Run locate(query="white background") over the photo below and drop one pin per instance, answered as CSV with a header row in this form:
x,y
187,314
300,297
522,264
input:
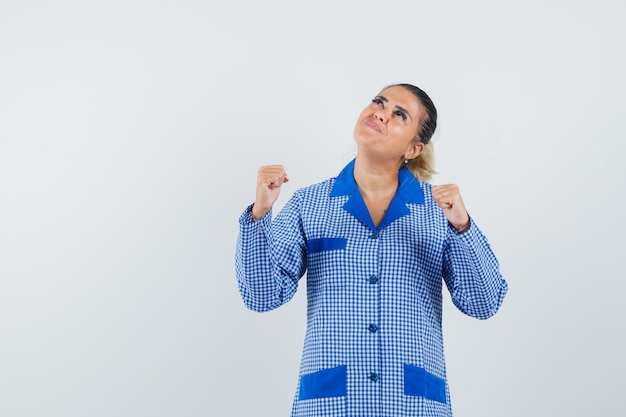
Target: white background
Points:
x,y
130,136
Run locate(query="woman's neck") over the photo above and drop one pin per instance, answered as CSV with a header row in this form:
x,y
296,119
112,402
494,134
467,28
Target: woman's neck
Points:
x,y
375,180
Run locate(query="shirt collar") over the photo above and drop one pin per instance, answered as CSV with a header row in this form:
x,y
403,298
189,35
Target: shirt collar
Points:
x,y
409,192
409,188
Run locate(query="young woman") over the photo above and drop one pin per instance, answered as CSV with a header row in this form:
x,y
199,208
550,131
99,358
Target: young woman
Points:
x,y
376,243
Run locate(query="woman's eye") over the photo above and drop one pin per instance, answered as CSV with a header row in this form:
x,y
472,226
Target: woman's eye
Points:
x,y
401,115
377,101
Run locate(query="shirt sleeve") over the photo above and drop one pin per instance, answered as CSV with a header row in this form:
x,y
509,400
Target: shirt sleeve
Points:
x,y
471,273
270,257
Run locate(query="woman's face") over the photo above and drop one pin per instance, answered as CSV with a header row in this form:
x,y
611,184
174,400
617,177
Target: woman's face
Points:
x,y
387,126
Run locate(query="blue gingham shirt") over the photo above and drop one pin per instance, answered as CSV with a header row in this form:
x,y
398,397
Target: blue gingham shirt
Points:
x,y
373,344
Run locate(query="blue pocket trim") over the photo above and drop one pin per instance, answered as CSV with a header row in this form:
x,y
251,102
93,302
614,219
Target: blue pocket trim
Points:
x,y
419,383
326,383
328,243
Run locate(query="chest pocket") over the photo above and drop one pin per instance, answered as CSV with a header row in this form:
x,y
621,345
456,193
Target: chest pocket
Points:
x,y
324,244
326,261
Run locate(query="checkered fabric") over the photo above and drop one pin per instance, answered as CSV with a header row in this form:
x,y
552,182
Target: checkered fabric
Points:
x,y
373,343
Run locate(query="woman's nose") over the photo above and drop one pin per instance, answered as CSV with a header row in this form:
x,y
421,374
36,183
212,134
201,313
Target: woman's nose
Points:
x,y
380,115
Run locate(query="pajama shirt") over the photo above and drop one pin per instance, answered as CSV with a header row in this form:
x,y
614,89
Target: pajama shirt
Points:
x,y
373,345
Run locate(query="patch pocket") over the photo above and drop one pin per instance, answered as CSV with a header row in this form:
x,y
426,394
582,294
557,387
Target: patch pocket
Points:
x,y
326,383
328,243
419,383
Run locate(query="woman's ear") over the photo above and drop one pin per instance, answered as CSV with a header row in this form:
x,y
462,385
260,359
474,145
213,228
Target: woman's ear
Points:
x,y
414,150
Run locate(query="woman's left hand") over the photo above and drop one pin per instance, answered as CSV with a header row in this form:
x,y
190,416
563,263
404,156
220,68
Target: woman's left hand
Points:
x,y
448,198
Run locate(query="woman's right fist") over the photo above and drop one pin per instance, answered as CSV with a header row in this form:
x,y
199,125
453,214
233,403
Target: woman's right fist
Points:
x,y
269,180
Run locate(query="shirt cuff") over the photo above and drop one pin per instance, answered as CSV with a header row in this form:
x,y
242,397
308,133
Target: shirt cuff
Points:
x,y
247,219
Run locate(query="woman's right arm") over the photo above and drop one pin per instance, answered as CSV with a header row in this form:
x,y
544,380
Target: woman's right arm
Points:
x,y
270,254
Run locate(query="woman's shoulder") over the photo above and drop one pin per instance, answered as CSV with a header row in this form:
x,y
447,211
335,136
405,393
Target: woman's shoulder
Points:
x,y
426,186
319,188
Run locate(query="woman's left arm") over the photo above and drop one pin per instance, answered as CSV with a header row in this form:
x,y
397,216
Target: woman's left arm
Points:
x,y
470,268
472,273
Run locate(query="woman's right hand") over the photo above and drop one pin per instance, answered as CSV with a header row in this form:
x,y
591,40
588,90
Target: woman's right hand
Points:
x,y
269,180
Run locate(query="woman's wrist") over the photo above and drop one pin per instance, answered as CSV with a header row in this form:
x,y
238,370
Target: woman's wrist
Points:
x,y
257,216
464,227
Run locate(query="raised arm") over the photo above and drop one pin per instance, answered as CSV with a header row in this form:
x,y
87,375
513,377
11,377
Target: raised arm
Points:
x,y
470,268
270,255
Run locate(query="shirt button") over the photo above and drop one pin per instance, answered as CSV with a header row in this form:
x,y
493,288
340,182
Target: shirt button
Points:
x,y
373,328
374,377
374,235
373,279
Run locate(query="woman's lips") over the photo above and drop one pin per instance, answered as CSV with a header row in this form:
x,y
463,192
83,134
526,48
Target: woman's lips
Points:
x,y
373,126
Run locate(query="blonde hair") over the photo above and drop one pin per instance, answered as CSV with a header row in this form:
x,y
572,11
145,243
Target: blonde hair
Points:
x,y
423,167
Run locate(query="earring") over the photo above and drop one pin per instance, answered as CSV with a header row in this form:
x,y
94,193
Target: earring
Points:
x,y
406,161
